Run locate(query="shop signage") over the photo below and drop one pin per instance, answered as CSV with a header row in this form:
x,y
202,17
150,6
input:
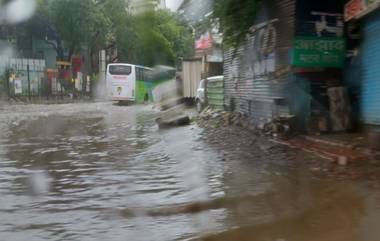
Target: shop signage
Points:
x,y
354,8
318,52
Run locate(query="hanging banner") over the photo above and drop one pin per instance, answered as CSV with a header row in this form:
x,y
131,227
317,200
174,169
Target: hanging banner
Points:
x,y
354,8
319,52
18,86
88,84
77,63
54,85
204,42
79,81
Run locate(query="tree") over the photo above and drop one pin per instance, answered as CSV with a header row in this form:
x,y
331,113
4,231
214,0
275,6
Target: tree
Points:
x,y
71,26
159,38
178,33
235,18
78,23
67,25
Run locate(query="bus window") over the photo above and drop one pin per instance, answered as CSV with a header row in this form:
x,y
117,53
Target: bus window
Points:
x,y
143,74
139,73
120,70
146,75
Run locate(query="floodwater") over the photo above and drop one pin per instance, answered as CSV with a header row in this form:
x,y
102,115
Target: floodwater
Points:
x,y
102,172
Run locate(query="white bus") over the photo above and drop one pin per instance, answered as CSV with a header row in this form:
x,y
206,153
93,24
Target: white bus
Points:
x,y
128,82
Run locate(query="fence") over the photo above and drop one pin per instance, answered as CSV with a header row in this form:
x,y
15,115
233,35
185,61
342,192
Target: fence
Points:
x,y
25,77
29,78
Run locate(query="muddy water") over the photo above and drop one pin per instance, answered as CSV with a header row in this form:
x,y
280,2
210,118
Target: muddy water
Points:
x,y
102,172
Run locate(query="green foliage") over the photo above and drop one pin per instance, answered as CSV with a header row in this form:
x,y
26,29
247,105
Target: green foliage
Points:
x,y
116,18
157,37
78,22
235,17
70,26
152,37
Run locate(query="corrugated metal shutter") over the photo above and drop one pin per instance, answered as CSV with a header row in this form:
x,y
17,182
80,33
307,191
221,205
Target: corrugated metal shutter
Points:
x,y
370,58
258,72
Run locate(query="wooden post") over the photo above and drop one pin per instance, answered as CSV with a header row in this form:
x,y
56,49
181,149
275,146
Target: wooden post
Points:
x,y
206,78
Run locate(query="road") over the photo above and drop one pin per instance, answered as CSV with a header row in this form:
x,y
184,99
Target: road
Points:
x,y
95,171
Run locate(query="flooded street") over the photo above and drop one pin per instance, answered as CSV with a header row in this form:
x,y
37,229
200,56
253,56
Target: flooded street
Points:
x,y
101,172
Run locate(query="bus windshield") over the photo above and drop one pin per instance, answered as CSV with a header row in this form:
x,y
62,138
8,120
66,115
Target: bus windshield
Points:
x,y
120,69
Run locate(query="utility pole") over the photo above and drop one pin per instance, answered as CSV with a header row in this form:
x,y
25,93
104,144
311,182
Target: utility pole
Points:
x,y
8,76
102,86
28,70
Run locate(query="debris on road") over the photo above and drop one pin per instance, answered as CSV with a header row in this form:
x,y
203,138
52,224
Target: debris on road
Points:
x,y
177,121
278,128
282,130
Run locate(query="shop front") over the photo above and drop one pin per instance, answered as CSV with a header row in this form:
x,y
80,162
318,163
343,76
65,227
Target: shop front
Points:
x,y
363,71
319,62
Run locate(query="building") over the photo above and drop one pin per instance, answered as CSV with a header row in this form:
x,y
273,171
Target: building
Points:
x,y
138,6
362,70
208,41
162,4
195,10
291,65
174,4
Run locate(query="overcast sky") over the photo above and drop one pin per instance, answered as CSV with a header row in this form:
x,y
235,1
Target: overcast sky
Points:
x,y
173,4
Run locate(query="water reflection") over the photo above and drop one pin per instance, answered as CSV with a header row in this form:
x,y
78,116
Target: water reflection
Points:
x,y
100,171
325,213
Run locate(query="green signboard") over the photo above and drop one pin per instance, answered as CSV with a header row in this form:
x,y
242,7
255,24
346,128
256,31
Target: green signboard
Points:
x,y
319,52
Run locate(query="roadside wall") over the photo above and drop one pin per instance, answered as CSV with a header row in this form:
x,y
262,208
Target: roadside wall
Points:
x,y
258,72
264,71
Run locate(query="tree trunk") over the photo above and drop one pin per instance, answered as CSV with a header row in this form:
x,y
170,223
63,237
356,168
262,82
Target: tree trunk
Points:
x,y
92,65
71,51
60,51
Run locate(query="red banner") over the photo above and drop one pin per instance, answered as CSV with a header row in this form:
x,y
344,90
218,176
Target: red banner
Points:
x,y
77,63
204,42
353,8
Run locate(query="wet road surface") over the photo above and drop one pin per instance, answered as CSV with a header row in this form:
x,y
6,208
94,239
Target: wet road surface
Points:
x,y
103,172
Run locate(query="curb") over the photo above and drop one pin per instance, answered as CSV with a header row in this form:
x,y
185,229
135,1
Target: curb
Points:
x,y
366,150
326,142
339,153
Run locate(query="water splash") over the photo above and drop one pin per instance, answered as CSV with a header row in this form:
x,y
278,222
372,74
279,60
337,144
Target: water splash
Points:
x,y
17,11
39,183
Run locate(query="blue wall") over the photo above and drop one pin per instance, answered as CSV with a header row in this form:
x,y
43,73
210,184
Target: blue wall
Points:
x,y
370,71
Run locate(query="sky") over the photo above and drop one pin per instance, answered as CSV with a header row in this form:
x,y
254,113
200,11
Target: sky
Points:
x,y
173,4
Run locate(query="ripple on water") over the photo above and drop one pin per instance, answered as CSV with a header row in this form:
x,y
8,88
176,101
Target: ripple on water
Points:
x,y
116,177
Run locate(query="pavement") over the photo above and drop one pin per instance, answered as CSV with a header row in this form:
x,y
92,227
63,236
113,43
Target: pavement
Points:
x,y
354,140
342,148
327,149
